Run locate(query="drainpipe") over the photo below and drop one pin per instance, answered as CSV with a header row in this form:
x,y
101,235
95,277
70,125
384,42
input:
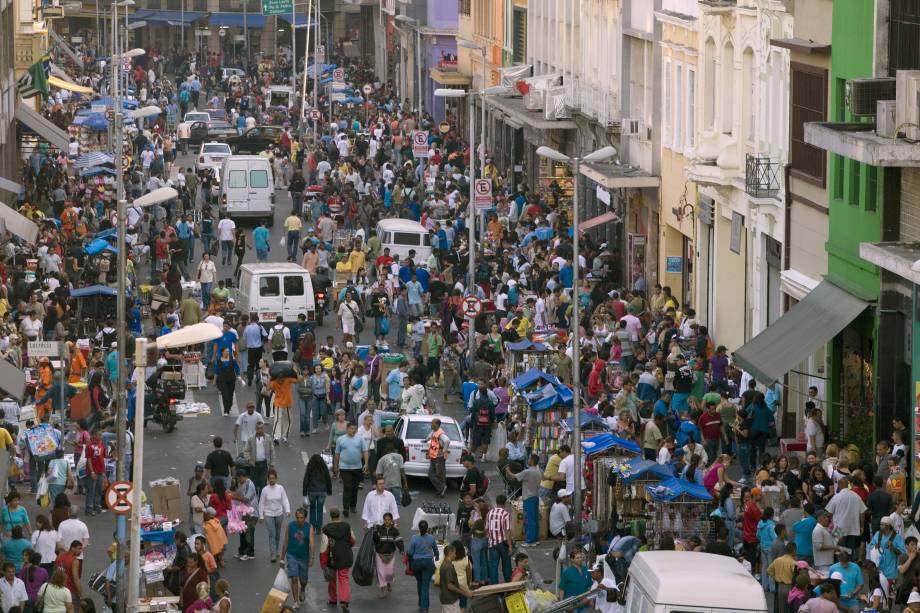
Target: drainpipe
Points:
x,y
787,207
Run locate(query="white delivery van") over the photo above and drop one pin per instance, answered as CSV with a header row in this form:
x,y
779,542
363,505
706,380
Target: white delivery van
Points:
x,y
279,96
272,289
247,188
401,235
691,582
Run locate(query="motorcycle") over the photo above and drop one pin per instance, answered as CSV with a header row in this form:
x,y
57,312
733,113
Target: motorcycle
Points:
x,y
167,390
320,299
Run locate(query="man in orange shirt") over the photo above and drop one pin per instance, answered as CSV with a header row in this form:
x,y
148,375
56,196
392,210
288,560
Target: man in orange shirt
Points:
x,y
283,387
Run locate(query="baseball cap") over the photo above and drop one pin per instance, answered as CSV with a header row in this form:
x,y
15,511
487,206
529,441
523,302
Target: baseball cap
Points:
x,y
563,493
838,576
199,466
886,520
914,597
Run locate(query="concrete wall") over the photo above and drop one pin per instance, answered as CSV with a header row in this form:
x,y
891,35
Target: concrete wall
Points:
x,y
730,275
807,236
910,205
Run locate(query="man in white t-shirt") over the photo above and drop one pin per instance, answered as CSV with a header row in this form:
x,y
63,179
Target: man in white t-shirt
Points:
x,y
73,529
847,509
225,233
246,423
567,468
814,433
559,514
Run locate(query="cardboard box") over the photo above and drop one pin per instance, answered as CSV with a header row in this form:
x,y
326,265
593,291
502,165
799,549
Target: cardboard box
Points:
x,y
517,521
166,499
274,601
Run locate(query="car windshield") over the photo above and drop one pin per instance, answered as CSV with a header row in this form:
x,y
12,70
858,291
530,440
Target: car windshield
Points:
x,y
216,148
223,125
197,117
420,429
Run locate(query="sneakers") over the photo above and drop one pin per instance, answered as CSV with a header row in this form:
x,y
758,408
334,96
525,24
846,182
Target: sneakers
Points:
x,y
313,431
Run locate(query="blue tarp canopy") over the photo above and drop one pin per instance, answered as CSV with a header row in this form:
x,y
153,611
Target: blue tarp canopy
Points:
x,y
93,290
527,345
673,488
533,376
589,419
301,19
125,104
603,442
167,18
95,121
97,246
548,396
106,233
97,170
93,158
637,467
253,20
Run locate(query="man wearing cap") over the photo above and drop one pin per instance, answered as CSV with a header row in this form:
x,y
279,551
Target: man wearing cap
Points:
x,y
823,543
889,545
559,514
851,581
828,601
913,601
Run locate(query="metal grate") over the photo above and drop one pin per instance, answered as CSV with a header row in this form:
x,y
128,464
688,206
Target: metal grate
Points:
x,y
761,177
904,36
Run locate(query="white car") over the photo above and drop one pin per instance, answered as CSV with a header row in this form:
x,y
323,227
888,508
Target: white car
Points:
x,y
212,156
414,429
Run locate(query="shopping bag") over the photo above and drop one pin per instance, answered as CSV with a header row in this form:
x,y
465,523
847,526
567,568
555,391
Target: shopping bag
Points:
x,y
499,440
405,498
408,564
363,569
282,582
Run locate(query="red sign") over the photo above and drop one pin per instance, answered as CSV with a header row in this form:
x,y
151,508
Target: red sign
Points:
x,y
118,497
472,306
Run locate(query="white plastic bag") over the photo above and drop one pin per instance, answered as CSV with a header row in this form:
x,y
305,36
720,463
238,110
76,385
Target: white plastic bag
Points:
x,y
42,487
499,440
282,582
283,241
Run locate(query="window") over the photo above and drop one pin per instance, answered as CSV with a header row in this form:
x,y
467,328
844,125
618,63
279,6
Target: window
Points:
x,y
465,8
855,176
666,111
419,429
709,95
872,188
737,231
258,178
269,286
519,55
903,36
406,238
293,285
237,178
691,107
808,102
728,89
750,75
838,177
678,107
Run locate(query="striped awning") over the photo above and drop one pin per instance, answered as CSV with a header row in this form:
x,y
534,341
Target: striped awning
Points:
x,y
93,158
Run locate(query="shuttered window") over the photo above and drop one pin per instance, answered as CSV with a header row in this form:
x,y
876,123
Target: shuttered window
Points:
x,y
808,102
520,36
465,7
904,36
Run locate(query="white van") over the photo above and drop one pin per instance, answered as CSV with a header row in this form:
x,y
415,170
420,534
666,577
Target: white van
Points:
x,y
272,289
401,235
691,582
279,95
247,187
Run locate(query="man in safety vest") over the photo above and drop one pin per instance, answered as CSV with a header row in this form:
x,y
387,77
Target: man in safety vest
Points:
x,y
438,449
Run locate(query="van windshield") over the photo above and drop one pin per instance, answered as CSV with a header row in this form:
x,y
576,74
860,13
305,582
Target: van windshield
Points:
x,y
258,178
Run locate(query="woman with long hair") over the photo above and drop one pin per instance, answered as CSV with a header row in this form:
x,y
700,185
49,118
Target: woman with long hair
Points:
x,y
260,384
479,544
423,553
317,484
728,510
44,541
226,372
221,501
193,574
386,541
33,573
240,245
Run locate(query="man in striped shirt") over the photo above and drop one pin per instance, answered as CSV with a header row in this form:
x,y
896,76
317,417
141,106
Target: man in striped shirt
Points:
x,y
498,531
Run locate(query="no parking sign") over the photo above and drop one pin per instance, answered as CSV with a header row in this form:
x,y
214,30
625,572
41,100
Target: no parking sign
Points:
x,y
420,144
482,194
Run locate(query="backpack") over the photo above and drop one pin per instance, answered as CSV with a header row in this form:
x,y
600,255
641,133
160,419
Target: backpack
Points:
x,y
278,341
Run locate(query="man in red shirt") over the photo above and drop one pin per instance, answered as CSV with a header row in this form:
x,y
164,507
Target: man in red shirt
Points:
x,y
710,425
384,259
752,514
95,473
72,565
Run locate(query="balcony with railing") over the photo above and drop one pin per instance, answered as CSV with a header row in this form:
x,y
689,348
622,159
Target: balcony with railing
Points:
x,y
761,177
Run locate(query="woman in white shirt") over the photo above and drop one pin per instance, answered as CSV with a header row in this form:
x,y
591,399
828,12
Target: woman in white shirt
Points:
x,y
367,432
45,540
273,508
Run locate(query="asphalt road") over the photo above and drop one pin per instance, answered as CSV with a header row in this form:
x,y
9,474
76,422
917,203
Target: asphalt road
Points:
x,y
175,455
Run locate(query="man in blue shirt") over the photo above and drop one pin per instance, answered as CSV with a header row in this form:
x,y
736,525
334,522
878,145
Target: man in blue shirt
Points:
x,y
184,231
260,238
350,452
254,335
414,291
442,237
227,340
687,431
662,407
850,579
802,531
396,381
566,275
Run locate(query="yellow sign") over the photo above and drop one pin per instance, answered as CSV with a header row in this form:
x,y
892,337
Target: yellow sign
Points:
x,y
516,603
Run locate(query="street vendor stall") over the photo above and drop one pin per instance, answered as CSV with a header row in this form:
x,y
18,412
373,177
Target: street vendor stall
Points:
x,y
525,355
547,402
678,508
603,452
629,479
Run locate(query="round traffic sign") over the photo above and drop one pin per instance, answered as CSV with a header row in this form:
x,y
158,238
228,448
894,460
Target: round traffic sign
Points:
x,y
118,497
368,89
444,127
110,114
222,32
315,115
472,306
420,139
338,74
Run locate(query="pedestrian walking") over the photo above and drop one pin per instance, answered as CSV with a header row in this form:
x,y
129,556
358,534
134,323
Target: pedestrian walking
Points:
x,y
336,556
297,553
273,508
423,553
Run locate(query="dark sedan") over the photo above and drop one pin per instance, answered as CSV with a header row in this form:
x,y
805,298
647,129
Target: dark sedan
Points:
x,y
255,140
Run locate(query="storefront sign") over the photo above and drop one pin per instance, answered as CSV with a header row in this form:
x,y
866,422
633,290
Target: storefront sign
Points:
x,y
277,7
674,264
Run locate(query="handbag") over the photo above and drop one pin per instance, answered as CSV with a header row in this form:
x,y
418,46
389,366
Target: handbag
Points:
x,y
39,605
408,562
405,498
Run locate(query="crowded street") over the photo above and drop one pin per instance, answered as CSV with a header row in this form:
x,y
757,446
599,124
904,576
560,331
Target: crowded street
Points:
x,y
533,306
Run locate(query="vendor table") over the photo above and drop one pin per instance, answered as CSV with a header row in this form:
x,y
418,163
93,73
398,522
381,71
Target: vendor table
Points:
x,y
440,521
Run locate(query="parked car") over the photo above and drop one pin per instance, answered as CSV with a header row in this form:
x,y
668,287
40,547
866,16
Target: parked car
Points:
x,y
414,429
219,129
255,140
211,156
226,73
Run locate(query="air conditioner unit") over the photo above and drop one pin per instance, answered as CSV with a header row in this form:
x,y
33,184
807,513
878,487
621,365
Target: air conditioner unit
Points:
x,y
886,118
635,128
907,113
554,106
863,94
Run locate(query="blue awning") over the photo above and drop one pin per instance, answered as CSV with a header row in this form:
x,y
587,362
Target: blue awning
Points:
x,y
93,158
301,19
235,20
672,489
527,345
96,246
169,18
588,420
634,468
93,290
533,376
603,442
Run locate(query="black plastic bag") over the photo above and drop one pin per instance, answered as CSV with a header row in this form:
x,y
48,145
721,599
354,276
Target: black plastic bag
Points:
x,y
363,570
406,498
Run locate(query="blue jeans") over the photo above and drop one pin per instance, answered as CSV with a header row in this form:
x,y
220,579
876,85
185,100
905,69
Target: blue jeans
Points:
x,y
297,202
479,554
94,493
304,415
318,407
396,491
423,569
274,526
744,457
531,520
401,323
293,241
206,294
206,242
499,553
226,250
314,501
261,254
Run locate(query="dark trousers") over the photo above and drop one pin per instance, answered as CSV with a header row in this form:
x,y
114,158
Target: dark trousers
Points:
x,y
499,554
260,472
253,355
248,540
226,394
437,474
351,479
649,454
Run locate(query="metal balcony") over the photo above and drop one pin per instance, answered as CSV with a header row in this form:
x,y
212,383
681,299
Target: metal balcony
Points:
x,y
761,177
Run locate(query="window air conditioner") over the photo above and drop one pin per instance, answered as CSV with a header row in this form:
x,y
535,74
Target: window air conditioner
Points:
x,y
907,114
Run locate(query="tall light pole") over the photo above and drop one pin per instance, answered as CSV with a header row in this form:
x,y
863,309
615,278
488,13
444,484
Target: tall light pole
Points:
x,y
575,162
415,25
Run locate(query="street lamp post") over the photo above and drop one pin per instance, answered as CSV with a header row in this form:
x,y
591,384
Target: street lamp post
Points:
x,y
575,163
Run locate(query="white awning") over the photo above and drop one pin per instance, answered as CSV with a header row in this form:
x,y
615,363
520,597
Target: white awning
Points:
x,y
10,186
43,127
19,225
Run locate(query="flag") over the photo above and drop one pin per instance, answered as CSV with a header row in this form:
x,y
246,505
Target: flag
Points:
x,y
35,79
